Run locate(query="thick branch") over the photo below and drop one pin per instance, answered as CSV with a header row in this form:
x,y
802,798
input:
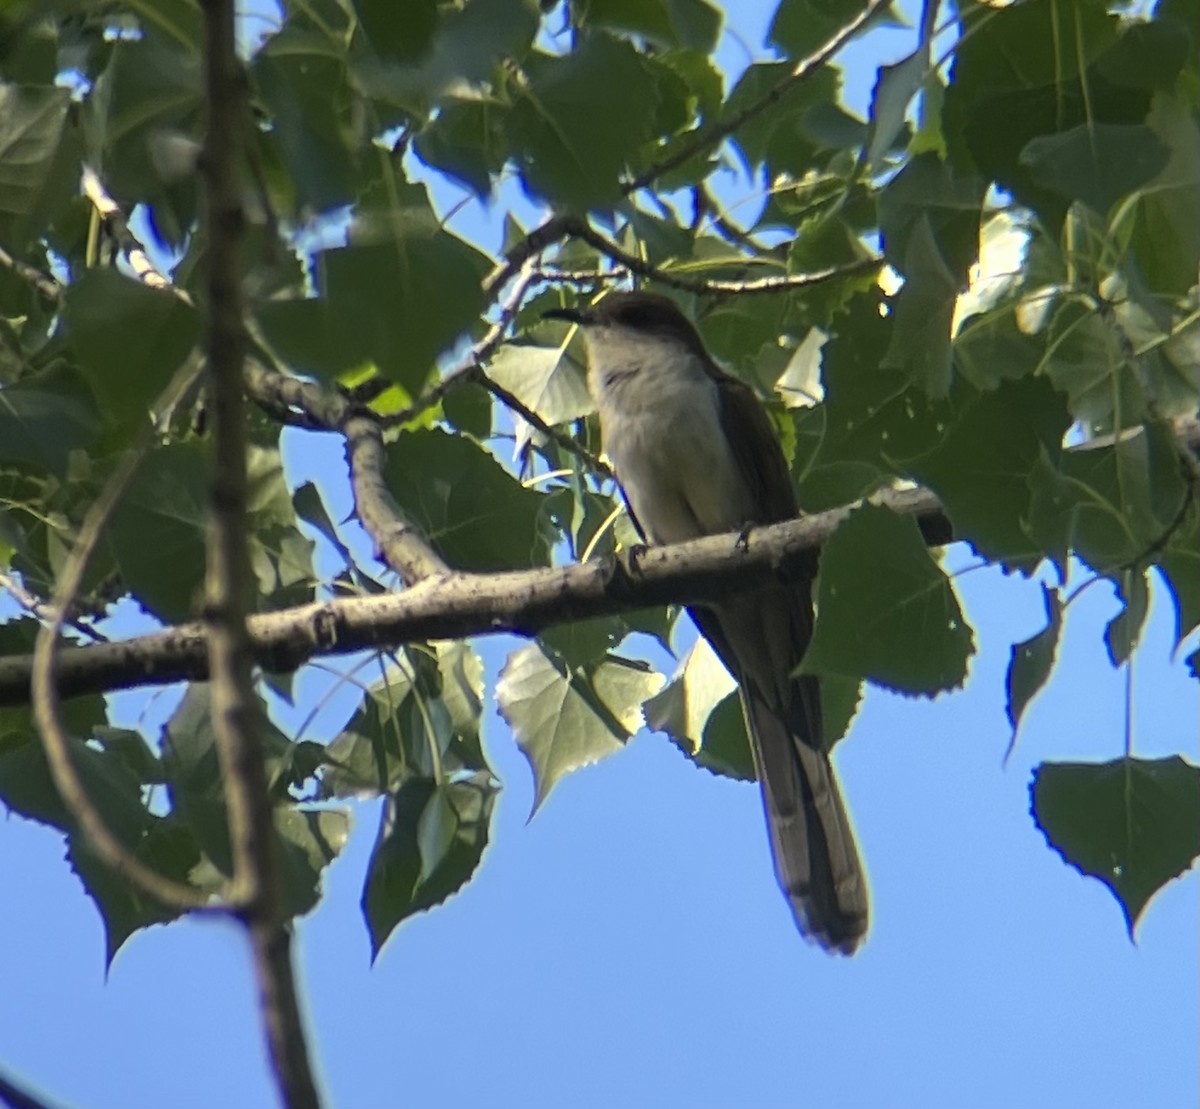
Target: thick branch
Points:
x,y
460,605
399,544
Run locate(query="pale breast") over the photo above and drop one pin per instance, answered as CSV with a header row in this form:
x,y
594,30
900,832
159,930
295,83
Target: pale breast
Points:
x,y
659,414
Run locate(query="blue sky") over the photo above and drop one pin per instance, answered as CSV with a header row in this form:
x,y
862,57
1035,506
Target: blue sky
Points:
x,y
629,947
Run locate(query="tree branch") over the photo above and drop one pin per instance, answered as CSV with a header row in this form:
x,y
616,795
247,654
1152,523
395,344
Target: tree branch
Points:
x,y
45,690
399,543
16,1097
458,605
110,211
804,69
580,229
45,286
229,588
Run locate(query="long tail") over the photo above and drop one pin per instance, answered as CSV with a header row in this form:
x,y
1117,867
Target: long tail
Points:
x,y
762,637
816,859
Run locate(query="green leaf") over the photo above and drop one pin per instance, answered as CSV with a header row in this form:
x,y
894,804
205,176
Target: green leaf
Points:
x,y
885,610
1166,231
44,418
280,555
473,510
311,509
129,340
429,698
583,642
114,777
800,26
454,835
544,379
567,718
1097,163
309,840
1179,563
982,468
872,417
1020,79
1132,823
405,284
193,770
695,24
570,144
303,85
923,313
470,40
157,533
1147,55
146,103
781,136
701,711
894,89
1030,663
27,788
467,140
929,200
402,31
193,774
1112,506
31,124
1123,630
169,848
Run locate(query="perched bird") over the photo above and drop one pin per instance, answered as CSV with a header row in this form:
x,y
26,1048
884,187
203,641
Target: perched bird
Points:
x,y
696,454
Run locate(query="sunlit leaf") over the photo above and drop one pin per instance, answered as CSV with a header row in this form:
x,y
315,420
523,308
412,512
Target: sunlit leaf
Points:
x,y
567,718
420,860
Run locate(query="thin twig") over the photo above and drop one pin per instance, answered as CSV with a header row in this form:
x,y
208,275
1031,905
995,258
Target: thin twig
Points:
x,y
45,286
471,369
534,243
576,227
580,229
44,694
110,211
802,71
707,205
15,1097
42,610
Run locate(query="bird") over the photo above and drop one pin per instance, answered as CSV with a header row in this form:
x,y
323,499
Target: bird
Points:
x,y
695,453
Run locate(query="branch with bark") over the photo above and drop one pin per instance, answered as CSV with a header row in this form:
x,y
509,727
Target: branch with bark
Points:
x,y
454,605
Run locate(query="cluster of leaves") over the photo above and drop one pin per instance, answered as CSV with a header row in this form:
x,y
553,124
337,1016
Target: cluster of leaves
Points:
x,y
1055,165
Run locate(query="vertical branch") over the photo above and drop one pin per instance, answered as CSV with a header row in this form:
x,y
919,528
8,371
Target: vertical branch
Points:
x,y
229,581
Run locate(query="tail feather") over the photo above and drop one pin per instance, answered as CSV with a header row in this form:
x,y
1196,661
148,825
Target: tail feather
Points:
x,y
761,637
812,841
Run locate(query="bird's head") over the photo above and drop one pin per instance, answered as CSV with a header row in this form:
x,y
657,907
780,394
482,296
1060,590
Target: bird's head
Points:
x,y
635,318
